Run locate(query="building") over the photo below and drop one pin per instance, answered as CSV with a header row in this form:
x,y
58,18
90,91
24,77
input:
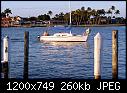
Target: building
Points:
x,y
10,21
6,22
16,21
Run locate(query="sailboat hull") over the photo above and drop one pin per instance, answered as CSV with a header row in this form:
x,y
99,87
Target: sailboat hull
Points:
x,y
64,39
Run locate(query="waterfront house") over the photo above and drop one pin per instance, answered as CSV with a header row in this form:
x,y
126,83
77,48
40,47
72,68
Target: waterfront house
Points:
x,y
10,21
5,22
16,21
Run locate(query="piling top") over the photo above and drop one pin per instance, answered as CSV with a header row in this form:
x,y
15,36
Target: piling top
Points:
x,y
98,35
6,36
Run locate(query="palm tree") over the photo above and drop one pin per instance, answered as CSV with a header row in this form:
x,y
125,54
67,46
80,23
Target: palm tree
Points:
x,y
7,12
77,16
60,17
99,13
117,12
82,8
94,14
113,9
88,13
66,18
3,14
103,12
61,14
82,14
50,13
109,12
109,17
73,17
56,17
89,9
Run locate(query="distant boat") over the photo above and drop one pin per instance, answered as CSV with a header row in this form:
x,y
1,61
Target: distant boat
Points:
x,y
64,37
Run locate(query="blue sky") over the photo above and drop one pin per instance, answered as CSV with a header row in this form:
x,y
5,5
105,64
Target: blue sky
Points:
x,y
35,8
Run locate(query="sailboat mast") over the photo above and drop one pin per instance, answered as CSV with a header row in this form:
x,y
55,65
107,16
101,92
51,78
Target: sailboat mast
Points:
x,y
70,14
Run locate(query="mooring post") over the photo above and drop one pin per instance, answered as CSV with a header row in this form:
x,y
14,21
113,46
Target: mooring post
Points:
x,y
97,53
5,58
115,54
26,54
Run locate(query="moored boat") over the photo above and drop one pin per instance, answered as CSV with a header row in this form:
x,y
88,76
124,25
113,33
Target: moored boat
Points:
x,y
64,37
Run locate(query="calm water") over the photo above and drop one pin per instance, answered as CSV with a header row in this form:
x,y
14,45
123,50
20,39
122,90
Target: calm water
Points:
x,y
64,60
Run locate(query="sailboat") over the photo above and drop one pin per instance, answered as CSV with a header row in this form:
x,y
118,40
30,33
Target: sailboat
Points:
x,y
64,36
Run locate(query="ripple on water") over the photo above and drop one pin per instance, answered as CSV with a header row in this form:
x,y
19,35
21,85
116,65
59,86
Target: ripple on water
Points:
x,y
66,60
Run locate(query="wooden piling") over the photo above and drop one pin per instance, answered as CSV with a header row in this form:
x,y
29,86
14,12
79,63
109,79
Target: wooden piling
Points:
x,y
5,70
97,53
26,54
114,54
5,49
4,63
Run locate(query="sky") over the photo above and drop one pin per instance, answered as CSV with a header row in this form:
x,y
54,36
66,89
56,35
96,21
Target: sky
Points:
x,y
35,8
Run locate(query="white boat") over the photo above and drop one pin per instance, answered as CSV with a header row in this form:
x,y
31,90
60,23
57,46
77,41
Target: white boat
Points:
x,y
65,37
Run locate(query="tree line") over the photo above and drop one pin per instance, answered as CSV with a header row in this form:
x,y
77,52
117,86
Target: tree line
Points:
x,y
79,17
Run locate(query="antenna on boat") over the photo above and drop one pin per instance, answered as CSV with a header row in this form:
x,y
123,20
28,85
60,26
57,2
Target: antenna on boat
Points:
x,y
70,11
70,15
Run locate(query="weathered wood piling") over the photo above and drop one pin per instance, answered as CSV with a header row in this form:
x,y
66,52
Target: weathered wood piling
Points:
x,y
26,54
115,54
4,63
97,56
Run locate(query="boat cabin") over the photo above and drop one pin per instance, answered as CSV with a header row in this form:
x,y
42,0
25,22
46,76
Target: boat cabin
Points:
x,y
63,34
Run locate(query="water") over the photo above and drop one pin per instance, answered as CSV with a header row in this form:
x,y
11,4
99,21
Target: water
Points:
x,y
66,60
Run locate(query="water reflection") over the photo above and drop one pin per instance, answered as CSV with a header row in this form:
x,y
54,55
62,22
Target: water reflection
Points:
x,y
68,44
62,57
65,51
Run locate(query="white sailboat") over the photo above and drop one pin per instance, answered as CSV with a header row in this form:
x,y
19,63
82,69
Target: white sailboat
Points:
x,y
65,37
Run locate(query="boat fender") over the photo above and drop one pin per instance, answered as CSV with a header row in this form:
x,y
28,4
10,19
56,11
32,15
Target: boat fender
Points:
x,y
88,31
38,36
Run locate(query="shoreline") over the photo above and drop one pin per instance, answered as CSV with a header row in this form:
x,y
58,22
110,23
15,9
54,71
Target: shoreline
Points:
x,y
105,25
